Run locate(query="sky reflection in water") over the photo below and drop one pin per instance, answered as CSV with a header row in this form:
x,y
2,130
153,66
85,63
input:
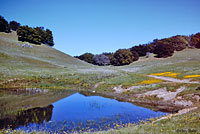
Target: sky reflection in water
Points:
x,y
77,112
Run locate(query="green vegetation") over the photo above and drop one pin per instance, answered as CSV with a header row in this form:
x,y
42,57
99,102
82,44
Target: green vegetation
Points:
x,y
141,49
14,25
4,27
195,40
163,48
48,67
25,33
44,67
122,57
35,35
88,57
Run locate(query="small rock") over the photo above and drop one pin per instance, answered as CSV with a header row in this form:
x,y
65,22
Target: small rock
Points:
x,y
25,45
197,98
198,88
184,111
184,103
179,97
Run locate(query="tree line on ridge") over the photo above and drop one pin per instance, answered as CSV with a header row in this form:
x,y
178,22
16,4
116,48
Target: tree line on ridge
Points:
x,y
37,35
163,48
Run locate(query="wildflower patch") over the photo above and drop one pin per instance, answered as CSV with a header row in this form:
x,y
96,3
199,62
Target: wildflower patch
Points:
x,y
152,81
192,76
167,74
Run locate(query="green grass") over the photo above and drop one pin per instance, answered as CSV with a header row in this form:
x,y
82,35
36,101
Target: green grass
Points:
x,y
46,67
42,60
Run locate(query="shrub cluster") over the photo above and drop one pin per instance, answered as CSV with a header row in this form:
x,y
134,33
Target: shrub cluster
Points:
x,y
141,49
25,33
14,25
162,48
88,57
195,40
122,57
4,26
35,35
101,60
7,27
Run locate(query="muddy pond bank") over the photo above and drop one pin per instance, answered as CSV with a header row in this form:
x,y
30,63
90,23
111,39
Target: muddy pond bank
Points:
x,y
151,101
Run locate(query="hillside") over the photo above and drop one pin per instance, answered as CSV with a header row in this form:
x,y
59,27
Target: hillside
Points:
x,y
16,59
168,84
46,64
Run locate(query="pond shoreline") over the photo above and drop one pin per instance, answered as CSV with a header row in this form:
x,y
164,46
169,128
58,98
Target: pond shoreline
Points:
x,y
112,108
154,104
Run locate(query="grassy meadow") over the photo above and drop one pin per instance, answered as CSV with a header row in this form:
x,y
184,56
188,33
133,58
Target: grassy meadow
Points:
x,y
47,68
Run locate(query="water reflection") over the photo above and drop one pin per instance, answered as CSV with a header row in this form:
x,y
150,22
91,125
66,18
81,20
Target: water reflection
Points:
x,y
14,100
24,118
76,112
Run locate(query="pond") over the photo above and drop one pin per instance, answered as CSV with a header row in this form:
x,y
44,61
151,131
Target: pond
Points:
x,y
78,112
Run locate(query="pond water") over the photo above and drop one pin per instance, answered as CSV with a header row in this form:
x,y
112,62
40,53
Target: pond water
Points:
x,y
78,112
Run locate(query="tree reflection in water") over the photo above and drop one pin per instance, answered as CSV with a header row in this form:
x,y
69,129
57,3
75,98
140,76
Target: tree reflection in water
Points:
x,y
23,118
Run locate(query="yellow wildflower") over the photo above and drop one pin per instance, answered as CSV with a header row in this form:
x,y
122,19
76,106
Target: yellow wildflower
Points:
x,y
161,74
191,76
150,81
167,74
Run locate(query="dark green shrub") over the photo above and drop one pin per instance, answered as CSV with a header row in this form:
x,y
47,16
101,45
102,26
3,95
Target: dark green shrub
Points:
x,y
35,35
4,27
198,45
48,38
195,39
28,34
122,57
135,55
88,57
14,25
141,49
163,50
178,42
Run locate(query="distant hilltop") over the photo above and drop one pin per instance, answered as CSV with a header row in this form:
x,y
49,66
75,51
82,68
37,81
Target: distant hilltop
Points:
x,y
37,35
163,48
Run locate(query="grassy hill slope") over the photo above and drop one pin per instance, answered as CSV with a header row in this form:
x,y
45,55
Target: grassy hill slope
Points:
x,y
16,59
49,67
46,67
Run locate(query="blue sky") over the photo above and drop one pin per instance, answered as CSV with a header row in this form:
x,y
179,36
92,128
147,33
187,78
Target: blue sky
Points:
x,y
98,26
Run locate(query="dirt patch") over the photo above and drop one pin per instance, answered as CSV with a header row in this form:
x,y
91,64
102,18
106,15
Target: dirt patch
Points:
x,y
162,93
168,97
120,90
159,99
97,85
